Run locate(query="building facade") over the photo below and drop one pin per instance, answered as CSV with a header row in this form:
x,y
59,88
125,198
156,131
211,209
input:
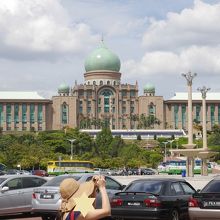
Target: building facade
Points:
x,y
102,100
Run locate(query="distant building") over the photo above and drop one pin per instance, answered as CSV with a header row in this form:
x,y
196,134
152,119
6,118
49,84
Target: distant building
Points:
x,y
102,99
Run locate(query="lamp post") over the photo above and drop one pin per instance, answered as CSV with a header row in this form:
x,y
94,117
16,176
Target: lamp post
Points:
x,y
189,78
165,150
171,143
71,142
190,159
204,91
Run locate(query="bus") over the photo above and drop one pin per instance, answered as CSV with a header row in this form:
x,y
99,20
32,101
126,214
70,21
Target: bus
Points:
x,y
56,167
177,166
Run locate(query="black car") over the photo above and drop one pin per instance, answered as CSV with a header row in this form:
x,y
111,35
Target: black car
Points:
x,y
153,199
206,203
147,171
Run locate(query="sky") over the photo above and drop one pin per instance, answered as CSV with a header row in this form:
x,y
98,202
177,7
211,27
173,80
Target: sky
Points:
x,y
44,43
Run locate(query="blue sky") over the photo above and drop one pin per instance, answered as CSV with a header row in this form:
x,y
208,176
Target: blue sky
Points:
x,y
45,43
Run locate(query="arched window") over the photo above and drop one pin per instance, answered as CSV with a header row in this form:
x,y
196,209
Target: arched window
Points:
x,y
108,82
101,82
106,93
94,82
88,83
114,83
151,109
64,113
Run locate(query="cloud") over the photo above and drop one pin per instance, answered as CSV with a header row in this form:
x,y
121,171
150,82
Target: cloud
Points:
x,y
189,40
192,26
204,60
40,28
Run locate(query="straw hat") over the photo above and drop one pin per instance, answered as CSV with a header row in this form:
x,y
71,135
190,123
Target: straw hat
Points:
x,y
70,189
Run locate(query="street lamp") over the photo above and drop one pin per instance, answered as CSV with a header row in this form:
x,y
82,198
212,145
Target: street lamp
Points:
x,y
165,150
71,141
171,143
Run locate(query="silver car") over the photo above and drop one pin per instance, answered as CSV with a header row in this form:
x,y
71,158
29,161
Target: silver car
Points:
x,y
46,199
16,192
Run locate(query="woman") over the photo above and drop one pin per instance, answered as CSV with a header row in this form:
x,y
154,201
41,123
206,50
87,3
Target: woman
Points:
x,y
70,189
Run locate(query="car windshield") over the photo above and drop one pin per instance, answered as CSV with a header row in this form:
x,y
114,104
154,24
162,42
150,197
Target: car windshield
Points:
x,y
145,186
212,187
57,180
2,180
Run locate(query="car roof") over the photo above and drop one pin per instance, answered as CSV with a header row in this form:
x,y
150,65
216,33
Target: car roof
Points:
x,y
159,180
20,175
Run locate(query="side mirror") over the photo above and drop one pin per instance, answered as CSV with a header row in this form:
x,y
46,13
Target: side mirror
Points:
x,y
198,190
122,187
4,189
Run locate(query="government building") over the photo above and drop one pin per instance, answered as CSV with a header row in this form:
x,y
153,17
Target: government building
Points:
x,y
102,100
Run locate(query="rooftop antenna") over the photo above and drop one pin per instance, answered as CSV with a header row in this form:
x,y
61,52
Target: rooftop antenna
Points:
x,y
102,38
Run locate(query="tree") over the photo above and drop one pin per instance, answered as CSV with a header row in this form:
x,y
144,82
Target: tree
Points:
x,y
103,141
148,121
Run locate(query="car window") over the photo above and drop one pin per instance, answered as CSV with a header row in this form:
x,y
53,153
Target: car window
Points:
x,y
145,186
111,184
29,182
176,189
58,179
187,188
212,186
14,184
2,180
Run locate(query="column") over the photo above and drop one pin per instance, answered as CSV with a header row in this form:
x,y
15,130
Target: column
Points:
x,y
4,117
28,117
20,117
35,117
204,168
43,117
12,116
190,159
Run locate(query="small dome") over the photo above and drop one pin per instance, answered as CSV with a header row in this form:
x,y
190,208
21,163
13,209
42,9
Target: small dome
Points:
x,y
63,88
102,59
149,88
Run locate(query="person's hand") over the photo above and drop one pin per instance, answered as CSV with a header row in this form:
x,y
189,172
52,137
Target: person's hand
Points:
x,y
101,182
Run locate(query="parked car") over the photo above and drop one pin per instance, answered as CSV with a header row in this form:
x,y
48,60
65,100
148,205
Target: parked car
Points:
x,y
153,199
206,203
26,172
40,173
12,172
46,199
147,171
16,192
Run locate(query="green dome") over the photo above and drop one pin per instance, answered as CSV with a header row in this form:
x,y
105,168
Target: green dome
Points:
x,y
102,59
149,88
63,88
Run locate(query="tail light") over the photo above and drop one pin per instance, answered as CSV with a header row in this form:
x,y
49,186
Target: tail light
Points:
x,y
193,202
116,202
33,196
152,202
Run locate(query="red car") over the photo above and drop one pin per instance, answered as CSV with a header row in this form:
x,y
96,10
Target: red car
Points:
x,y
40,173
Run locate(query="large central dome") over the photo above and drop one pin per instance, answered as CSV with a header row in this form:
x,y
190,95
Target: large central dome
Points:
x,y
102,59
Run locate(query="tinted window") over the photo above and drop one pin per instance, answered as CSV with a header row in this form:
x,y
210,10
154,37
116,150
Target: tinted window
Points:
x,y
111,184
147,186
57,180
212,186
14,184
176,189
29,182
187,189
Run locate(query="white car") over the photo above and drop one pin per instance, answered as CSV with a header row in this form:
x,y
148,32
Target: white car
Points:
x,y
46,199
16,192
